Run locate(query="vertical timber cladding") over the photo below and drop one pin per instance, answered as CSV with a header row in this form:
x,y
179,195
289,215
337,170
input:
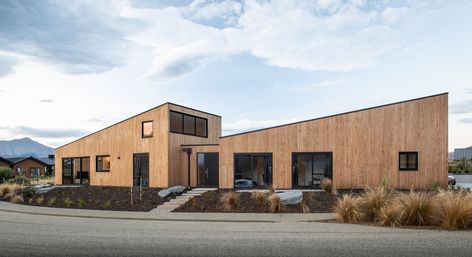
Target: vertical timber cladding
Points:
x,y
365,145
121,141
178,160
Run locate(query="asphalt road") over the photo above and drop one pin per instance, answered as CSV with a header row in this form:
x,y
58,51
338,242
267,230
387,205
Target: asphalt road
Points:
x,y
38,235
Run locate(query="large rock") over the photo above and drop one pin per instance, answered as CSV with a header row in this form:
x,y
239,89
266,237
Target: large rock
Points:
x,y
291,197
170,190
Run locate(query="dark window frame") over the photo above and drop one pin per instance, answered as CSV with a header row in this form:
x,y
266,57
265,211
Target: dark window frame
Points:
x,y
408,154
195,124
96,163
252,155
142,128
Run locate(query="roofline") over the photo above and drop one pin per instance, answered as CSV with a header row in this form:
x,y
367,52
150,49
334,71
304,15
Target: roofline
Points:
x,y
334,115
5,160
134,116
29,157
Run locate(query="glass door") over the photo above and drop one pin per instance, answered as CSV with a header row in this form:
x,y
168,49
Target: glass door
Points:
x,y
141,169
253,170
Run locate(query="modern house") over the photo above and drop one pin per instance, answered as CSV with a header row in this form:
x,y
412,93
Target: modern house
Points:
x,y
28,166
403,143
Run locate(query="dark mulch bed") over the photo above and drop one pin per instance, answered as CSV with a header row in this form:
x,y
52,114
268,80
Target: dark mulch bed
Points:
x,y
99,198
318,202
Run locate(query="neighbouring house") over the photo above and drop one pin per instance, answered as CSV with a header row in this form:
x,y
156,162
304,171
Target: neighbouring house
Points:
x,y
404,144
50,164
28,166
460,153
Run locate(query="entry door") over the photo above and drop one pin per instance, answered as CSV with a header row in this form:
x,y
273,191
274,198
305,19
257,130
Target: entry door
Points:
x,y
309,169
141,169
207,169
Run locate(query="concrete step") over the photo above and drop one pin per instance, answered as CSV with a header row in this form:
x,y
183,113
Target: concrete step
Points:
x,y
194,193
204,189
167,206
177,201
187,197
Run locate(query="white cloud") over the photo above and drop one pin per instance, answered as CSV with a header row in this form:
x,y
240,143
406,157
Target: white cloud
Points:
x,y
287,34
326,83
393,15
464,106
466,120
46,100
248,125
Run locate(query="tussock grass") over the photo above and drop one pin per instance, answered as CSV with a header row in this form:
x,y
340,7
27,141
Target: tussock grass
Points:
x,y
17,199
230,200
348,209
40,200
453,210
416,208
260,197
388,215
275,204
372,201
6,189
327,185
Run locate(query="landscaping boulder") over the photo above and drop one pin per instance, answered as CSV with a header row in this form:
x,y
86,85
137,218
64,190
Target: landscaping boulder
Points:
x,y
291,197
43,188
170,190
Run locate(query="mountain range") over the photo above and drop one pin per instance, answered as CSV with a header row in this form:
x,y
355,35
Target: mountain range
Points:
x,y
24,147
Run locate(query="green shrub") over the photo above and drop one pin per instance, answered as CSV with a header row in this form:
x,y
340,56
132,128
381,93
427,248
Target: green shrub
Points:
x,y
22,180
5,174
107,204
52,201
68,202
436,186
81,203
27,192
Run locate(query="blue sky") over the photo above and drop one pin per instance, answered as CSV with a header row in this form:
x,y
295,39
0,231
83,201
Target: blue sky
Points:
x,y
68,68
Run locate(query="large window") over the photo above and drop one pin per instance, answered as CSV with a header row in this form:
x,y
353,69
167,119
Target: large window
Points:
x,y
103,163
188,124
310,168
252,170
147,129
408,161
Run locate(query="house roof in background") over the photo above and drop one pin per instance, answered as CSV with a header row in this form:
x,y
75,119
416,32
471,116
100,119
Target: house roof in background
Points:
x,y
15,160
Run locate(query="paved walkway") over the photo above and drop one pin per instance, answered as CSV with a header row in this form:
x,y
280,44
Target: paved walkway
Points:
x,y
181,199
164,216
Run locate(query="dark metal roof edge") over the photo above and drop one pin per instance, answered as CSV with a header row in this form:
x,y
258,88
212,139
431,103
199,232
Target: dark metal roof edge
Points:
x,y
334,115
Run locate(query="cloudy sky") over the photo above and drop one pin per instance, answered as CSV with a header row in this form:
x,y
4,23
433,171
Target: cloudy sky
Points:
x,y
68,68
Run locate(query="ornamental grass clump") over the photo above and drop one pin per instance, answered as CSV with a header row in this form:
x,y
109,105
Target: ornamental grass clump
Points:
x,y
230,201
327,186
453,210
372,201
275,203
388,215
17,199
259,197
347,209
415,208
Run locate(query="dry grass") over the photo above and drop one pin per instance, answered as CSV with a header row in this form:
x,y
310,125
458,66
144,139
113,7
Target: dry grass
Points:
x,y
230,200
275,204
17,199
40,200
453,211
416,208
388,215
9,189
8,196
305,207
372,201
259,197
348,210
327,185
271,190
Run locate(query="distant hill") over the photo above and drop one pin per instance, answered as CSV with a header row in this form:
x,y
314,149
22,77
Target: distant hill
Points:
x,y
24,147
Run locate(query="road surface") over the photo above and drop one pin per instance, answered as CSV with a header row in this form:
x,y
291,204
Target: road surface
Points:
x,y
40,235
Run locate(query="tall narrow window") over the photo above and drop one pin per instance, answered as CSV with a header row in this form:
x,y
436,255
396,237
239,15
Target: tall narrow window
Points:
x,y
147,129
189,125
201,127
103,163
408,161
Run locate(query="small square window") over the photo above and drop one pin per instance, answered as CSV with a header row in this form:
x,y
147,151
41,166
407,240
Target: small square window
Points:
x,y
103,163
147,129
408,161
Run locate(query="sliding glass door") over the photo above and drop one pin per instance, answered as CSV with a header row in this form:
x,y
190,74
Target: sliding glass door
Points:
x,y
309,169
252,170
76,171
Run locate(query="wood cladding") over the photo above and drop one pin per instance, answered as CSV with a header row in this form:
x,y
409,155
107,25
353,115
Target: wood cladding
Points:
x,y
365,145
124,139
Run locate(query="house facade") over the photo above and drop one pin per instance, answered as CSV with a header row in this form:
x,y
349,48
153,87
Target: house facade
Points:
x,y
28,166
403,144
